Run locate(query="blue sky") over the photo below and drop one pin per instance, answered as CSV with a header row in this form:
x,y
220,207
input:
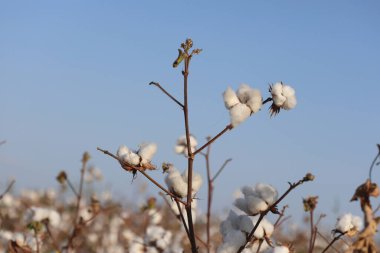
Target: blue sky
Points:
x,y
74,75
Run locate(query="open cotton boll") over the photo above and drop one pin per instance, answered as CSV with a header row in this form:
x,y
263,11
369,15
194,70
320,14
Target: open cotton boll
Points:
x,y
242,204
175,183
255,101
131,158
39,214
147,151
279,100
232,222
255,205
357,222
244,93
267,192
344,223
288,91
280,249
179,149
230,98
290,103
239,113
276,89
247,223
232,241
197,180
248,190
122,150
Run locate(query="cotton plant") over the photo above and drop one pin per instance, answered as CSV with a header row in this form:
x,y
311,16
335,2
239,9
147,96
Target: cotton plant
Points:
x,y
181,145
40,214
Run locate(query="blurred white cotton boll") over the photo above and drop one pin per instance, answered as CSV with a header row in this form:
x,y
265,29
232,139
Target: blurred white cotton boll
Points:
x,y
290,103
276,89
239,113
39,214
349,223
131,158
267,192
256,205
288,91
280,249
175,182
181,146
230,98
147,151
255,101
197,180
122,150
244,93
279,100
242,204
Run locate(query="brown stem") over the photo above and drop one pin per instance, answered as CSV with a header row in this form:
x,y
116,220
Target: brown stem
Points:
x,y
190,159
167,93
311,231
209,195
282,213
228,127
182,219
267,100
106,152
336,238
72,187
36,238
271,208
54,242
8,188
221,169
326,240
372,165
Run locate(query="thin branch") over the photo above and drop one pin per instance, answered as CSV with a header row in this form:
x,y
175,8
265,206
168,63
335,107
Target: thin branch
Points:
x,y
209,194
336,238
326,240
182,218
312,229
228,127
221,169
71,186
282,213
54,242
8,188
267,100
373,164
37,243
272,207
106,152
167,93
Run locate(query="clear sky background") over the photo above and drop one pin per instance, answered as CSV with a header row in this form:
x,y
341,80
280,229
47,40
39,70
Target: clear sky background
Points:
x,y
74,75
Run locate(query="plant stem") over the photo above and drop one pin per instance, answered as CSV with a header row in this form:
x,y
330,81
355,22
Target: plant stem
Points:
x,y
221,169
228,127
332,242
209,195
372,165
72,187
8,188
167,93
311,231
190,159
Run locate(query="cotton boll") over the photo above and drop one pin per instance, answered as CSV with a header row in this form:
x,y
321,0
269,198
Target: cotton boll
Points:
x,y
357,222
123,150
276,89
235,237
267,192
242,204
175,183
280,249
256,205
267,227
147,151
239,113
255,101
290,103
288,91
131,158
279,100
230,98
179,149
244,93
197,182
344,223
248,190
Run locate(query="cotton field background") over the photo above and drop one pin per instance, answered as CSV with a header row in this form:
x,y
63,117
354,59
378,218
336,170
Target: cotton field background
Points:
x,y
189,127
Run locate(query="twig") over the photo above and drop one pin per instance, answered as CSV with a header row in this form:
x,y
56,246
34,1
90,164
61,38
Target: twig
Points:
x,y
373,164
312,229
221,169
36,238
71,186
228,127
333,240
182,218
267,100
54,242
167,93
8,188
282,213
272,207
209,194
326,240
106,152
